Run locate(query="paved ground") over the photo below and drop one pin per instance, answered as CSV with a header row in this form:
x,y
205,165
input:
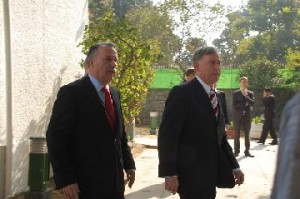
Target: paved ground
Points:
x,y
259,172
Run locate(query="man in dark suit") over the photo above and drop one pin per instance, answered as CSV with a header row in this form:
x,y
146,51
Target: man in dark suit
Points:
x,y
192,135
87,147
269,114
242,102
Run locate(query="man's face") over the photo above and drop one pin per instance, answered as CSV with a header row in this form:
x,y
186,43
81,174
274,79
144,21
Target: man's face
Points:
x,y
244,83
103,65
208,68
266,93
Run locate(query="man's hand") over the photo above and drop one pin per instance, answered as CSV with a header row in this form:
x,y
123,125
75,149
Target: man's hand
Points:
x,y
71,191
239,177
171,184
130,177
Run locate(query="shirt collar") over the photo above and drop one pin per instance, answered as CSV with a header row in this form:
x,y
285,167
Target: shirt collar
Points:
x,y
244,89
206,87
98,86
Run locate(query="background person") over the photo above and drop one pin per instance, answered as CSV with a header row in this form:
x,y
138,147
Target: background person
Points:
x,y
189,74
192,135
86,140
269,114
242,102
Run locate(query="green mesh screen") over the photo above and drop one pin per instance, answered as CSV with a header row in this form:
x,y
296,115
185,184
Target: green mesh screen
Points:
x,y
167,78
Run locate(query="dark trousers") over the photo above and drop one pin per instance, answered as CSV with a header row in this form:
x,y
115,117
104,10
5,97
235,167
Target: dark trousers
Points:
x,y
268,126
242,123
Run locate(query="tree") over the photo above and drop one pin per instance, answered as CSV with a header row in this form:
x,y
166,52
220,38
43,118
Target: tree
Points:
x,y
136,58
278,20
236,29
291,75
264,27
98,8
261,73
184,60
192,43
156,25
252,48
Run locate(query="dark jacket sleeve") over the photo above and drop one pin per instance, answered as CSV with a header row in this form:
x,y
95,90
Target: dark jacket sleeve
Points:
x,y
224,107
170,131
228,150
59,136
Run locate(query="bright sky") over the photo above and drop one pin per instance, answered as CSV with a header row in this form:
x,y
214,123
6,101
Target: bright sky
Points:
x,y
234,4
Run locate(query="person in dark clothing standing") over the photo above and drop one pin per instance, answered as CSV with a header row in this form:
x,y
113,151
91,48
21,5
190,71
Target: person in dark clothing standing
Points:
x,y
86,137
192,135
242,101
269,113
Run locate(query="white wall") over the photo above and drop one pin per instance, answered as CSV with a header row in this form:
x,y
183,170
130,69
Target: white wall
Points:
x,y
2,79
2,103
44,56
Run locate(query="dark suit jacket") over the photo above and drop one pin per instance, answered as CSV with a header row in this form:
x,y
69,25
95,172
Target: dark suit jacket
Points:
x,y
269,106
81,145
224,106
190,139
241,103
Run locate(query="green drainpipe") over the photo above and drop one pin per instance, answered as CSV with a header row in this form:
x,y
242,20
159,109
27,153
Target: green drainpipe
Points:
x,y
153,123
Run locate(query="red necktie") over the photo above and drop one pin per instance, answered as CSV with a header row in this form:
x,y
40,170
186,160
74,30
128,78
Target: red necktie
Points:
x,y
109,108
214,102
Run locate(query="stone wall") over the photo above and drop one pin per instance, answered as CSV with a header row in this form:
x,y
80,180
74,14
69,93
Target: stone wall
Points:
x,y
156,99
155,103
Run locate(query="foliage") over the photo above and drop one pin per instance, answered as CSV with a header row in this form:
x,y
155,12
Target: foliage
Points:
x,y
292,74
98,8
168,24
261,73
136,57
186,15
263,28
293,59
252,48
236,29
192,43
156,25
257,120
230,126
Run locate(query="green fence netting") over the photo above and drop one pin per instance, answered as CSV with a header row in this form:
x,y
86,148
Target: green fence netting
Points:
x,y
167,78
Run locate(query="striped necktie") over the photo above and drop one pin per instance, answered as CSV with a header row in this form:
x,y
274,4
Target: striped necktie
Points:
x,y
214,102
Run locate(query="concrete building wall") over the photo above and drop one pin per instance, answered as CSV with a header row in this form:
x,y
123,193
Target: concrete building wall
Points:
x,y
44,56
2,79
2,104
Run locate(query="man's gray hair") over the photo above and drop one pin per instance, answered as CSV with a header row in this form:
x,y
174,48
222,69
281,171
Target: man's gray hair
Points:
x,y
93,51
201,51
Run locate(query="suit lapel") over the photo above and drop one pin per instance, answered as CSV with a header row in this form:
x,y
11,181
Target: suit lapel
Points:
x,y
203,99
91,94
